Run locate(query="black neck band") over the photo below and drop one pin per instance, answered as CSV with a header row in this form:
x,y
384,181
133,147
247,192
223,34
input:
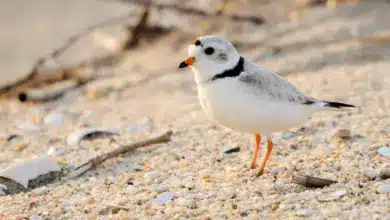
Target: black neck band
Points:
x,y
235,71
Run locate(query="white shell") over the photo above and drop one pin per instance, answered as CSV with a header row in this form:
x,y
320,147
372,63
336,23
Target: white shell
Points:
x,y
54,119
163,198
23,171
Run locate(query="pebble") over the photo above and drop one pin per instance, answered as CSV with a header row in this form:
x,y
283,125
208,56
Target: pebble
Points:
x,y
53,151
185,202
383,189
159,189
306,212
151,176
54,119
163,198
65,204
342,133
139,128
28,126
287,135
3,189
372,174
36,217
228,192
40,190
232,150
333,196
384,151
277,170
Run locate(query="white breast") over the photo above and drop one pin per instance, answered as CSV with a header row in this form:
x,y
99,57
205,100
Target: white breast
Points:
x,y
231,103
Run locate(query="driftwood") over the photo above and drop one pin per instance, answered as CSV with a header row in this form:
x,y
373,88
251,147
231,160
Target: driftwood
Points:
x,y
48,93
36,78
310,181
187,10
136,32
120,150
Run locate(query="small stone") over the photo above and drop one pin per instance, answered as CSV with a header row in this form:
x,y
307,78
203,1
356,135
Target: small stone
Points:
x,y
152,175
65,204
232,150
384,151
40,190
275,207
372,174
277,170
20,147
54,119
306,212
140,128
383,189
28,126
159,189
55,151
333,196
342,133
163,198
287,135
185,202
206,178
229,192
89,201
36,217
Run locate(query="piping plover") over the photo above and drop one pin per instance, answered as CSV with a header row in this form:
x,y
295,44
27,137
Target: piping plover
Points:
x,y
238,94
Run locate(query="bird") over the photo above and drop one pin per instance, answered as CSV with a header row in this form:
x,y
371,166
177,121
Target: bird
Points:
x,y
236,93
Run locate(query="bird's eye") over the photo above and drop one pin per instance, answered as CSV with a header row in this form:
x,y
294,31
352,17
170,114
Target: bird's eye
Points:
x,y
209,50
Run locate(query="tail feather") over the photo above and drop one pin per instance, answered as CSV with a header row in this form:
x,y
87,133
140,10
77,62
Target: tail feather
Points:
x,y
337,105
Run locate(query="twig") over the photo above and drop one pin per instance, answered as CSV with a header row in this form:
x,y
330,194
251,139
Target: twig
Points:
x,y
60,50
176,7
120,150
136,31
311,181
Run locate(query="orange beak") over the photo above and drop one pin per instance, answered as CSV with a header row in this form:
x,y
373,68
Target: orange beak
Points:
x,y
187,62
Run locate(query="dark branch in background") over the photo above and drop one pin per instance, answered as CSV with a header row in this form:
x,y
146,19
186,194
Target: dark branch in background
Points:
x,y
60,50
31,87
187,10
136,32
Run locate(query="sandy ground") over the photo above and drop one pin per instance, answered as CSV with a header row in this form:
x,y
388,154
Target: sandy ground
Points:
x,y
206,183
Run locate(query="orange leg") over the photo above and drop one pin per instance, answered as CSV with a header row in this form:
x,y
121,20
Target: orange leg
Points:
x,y
270,145
256,151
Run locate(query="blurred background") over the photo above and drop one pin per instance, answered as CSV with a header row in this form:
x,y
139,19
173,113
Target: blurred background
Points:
x,y
111,65
272,30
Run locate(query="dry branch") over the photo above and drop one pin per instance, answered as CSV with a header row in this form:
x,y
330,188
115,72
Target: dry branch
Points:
x,y
136,32
120,150
310,181
187,10
32,75
49,93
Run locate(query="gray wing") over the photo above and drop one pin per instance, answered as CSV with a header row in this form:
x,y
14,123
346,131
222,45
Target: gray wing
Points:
x,y
271,85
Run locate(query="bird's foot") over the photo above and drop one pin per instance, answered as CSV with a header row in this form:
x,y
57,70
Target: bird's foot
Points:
x,y
261,172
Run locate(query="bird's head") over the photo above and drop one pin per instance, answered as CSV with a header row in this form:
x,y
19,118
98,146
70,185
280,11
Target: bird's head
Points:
x,y
210,55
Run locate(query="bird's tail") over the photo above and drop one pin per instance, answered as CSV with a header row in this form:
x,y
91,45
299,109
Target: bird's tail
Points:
x,y
336,105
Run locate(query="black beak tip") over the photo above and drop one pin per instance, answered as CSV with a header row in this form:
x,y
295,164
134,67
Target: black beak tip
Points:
x,y
183,64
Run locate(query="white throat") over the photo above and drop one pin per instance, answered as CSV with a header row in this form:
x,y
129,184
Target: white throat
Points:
x,y
204,72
